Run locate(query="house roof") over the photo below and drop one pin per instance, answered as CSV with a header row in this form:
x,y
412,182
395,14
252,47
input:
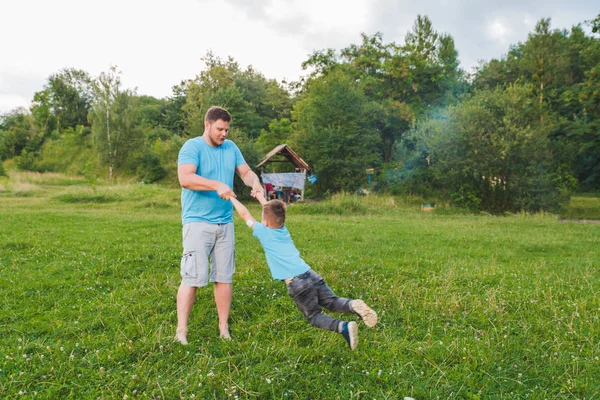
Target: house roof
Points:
x,y
288,153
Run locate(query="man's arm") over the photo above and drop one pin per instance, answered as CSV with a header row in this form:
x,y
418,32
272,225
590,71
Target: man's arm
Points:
x,y
261,199
190,180
250,179
243,212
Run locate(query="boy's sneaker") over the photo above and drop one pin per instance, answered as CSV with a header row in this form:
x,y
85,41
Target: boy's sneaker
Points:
x,y
350,333
366,313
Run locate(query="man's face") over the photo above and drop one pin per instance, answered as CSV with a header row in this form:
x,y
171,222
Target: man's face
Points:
x,y
217,132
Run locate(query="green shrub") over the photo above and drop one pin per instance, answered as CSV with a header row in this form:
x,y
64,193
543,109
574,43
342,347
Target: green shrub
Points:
x,y
150,169
27,161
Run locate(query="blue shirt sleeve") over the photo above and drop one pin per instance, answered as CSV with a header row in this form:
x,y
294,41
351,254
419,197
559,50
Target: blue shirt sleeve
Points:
x,y
239,158
189,154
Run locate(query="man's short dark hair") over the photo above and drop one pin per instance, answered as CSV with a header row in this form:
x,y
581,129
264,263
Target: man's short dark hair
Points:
x,y
215,113
274,212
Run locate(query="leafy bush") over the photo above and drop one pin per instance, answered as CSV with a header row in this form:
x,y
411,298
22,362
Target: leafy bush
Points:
x,y
27,161
150,169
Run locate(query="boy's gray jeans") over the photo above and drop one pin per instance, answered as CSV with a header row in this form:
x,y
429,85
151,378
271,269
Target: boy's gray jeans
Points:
x,y
310,293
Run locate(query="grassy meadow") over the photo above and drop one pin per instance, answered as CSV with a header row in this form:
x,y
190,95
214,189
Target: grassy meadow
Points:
x,y
471,306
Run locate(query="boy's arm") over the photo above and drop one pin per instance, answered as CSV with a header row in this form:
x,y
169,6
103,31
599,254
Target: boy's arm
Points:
x,y
243,212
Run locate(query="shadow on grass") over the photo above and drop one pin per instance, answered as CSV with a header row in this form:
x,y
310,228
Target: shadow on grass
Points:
x,y
88,198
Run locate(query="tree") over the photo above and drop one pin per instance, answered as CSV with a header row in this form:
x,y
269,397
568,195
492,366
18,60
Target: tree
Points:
x,y
584,131
279,132
595,23
494,152
17,134
334,134
252,100
64,102
174,114
558,63
115,119
400,83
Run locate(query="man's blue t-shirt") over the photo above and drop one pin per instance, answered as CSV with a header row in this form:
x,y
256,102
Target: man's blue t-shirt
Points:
x,y
282,256
215,163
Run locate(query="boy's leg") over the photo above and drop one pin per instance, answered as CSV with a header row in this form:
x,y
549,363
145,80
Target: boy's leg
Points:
x,y
331,302
304,294
328,299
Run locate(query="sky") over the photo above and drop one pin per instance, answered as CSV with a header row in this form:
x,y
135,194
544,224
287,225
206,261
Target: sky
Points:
x,y
157,44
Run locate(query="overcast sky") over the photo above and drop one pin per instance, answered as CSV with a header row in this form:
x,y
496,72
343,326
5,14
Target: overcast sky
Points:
x,y
157,44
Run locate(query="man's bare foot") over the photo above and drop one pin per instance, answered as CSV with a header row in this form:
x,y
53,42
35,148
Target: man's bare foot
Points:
x,y
224,331
181,336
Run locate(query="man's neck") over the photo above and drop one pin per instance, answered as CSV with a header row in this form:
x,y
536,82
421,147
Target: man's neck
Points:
x,y
208,141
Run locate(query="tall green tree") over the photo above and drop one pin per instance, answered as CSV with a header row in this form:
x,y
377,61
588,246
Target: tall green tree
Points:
x,y
115,120
334,134
252,100
400,83
584,131
279,132
558,64
64,102
174,113
494,152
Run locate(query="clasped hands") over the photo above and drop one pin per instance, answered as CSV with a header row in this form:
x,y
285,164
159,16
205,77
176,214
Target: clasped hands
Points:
x,y
226,193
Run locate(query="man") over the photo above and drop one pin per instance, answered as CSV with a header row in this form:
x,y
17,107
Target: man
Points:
x,y
207,165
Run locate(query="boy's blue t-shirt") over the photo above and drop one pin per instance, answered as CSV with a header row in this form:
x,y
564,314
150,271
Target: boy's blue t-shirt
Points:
x,y
282,256
215,163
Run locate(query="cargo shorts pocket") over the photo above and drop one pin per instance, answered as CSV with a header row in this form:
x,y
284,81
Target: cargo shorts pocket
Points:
x,y
188,265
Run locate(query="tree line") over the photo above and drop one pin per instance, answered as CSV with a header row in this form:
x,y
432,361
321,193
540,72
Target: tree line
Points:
x,y
520,132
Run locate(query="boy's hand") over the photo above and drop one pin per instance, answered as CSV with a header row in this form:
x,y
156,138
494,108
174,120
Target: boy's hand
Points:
x,y
257,189
224,191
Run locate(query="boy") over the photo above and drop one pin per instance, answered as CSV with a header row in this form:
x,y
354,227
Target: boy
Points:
x,y
307,288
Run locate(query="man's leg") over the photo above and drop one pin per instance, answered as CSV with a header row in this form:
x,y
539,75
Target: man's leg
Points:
x,y
223,268
223,296
185,301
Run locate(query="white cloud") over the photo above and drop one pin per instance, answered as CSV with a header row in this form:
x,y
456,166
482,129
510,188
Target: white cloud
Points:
x,y
498,29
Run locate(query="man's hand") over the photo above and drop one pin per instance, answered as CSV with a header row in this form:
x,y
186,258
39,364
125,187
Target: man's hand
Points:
x,y
224,191
257,189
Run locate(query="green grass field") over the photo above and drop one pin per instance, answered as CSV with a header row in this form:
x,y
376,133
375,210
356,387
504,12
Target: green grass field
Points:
x,y
583,207
471,306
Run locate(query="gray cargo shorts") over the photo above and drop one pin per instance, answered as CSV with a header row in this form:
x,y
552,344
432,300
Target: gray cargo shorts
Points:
x,y
208,251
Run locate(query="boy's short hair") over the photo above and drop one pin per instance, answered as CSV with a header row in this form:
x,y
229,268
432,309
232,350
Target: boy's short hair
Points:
x,y
274,212
217,113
